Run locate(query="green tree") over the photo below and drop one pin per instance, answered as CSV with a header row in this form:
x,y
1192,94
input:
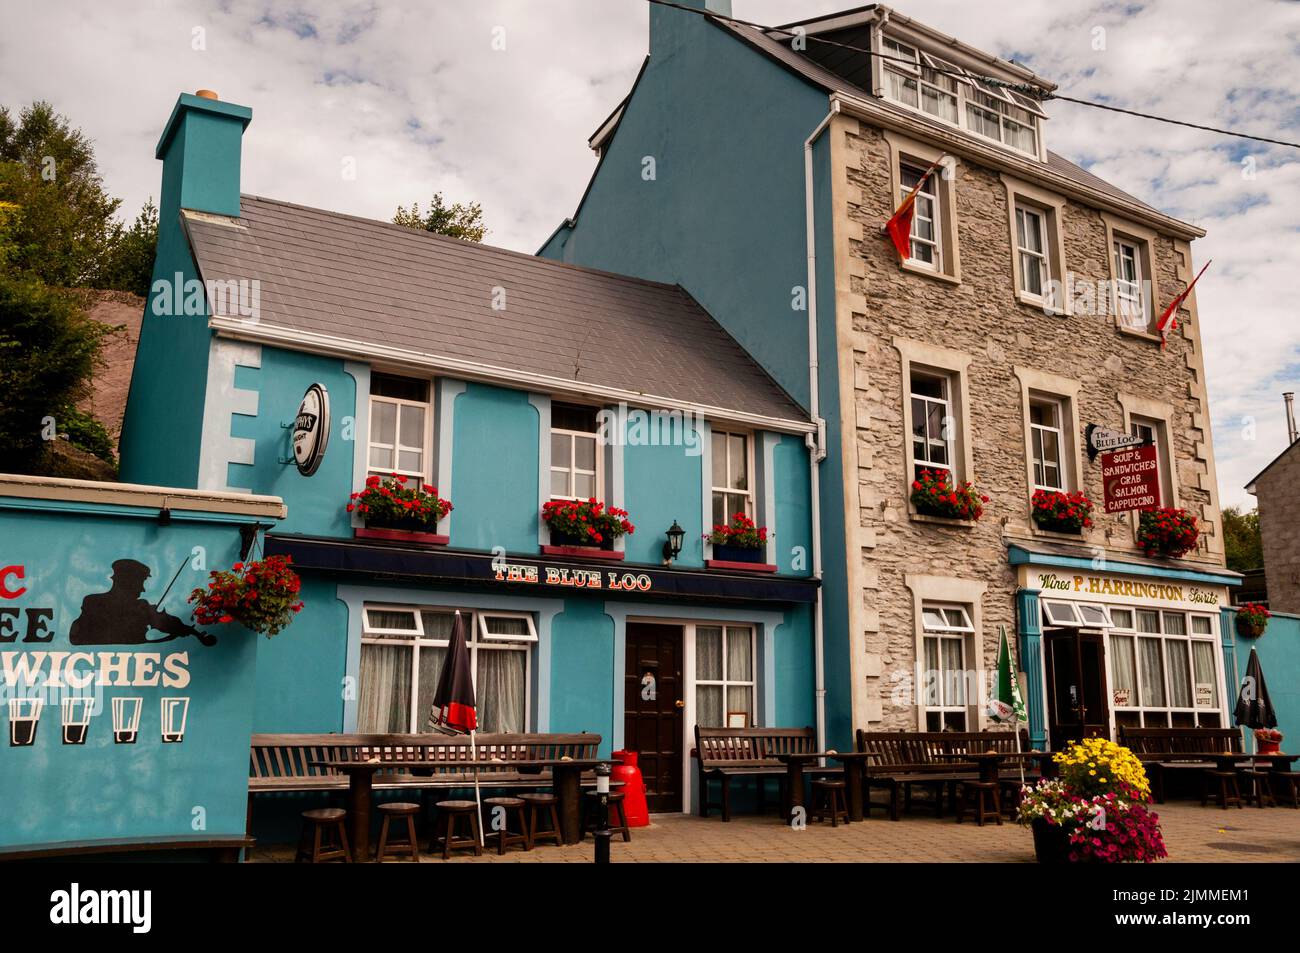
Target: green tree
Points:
x,y
48,349
48,169
458,221
1241,539
128,259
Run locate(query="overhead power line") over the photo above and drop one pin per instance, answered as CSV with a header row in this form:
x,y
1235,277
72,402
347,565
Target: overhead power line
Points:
x,y
1024,89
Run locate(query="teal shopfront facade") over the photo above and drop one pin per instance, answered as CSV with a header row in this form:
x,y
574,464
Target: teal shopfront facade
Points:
x,y
124,722
1111,643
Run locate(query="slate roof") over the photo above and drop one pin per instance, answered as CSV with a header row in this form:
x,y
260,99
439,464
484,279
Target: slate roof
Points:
x,y
378,283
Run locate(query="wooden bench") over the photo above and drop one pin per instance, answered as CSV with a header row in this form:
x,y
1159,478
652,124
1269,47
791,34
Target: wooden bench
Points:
x,y
219,849
284,762
902,759
726,753
1166,750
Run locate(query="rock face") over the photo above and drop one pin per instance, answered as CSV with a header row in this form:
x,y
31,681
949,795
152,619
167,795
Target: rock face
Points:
x,y
998,350
112,379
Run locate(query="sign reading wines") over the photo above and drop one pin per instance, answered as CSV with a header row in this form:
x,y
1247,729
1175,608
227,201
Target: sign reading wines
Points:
x,y
1131,479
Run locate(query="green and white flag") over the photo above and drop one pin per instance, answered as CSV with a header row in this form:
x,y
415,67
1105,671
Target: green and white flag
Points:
x,y
1007,705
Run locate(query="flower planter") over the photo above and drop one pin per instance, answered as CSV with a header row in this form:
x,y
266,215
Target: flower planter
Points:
x,y
392,534
570,541
737,554
1270,747
1250,630
1051,843
1054,526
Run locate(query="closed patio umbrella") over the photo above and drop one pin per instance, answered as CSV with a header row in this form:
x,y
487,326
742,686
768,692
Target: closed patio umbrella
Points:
x,y
454,706
1254,708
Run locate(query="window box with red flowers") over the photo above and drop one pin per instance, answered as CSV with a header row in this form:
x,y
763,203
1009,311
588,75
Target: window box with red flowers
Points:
x,y
739,545
1252,619
261,596
933,495
400,508
1058,512
584,528
1167,532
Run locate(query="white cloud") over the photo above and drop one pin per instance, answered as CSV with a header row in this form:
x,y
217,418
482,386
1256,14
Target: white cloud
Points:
x,y
417,94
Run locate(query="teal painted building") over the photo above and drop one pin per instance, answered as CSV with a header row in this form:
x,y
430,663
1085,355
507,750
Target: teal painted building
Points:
x,y
472,370
122,726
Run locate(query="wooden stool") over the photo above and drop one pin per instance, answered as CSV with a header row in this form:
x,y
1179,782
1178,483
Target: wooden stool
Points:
x,y
1229,791
504,837
986,798
411,845
1292,781
540,803
315,850
1258,786
828,796
617,816
449,812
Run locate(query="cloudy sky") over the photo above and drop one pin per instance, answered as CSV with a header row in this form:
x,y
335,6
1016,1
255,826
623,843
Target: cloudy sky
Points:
x,y
493,101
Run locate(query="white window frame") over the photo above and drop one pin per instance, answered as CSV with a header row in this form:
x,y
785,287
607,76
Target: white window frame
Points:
x,y
1167,711
1038,443
1132,308
925,208
397,446
946,403
1040,260
1008,109
572,469
946,630
415,639
726,681
727,492
1154,430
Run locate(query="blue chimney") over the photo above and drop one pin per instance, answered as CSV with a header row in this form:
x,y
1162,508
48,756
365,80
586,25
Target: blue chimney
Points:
x,y
162,430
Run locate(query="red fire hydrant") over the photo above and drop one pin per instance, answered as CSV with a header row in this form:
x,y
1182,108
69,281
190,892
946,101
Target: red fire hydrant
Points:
x,y
634,806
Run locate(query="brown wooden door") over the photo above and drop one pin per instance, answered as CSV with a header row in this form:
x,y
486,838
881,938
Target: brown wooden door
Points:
x,y
1077,697
654,706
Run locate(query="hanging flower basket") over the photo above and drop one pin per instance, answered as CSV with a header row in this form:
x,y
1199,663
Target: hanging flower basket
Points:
x,y
400,506
1167,532
588,523
739,541
261,596
934,495
1252,620
1062,512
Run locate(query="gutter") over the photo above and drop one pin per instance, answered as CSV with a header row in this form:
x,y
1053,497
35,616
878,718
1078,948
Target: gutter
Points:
x,y
816,440
310,342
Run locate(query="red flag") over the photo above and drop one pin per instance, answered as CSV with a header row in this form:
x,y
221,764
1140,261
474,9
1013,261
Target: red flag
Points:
x,y
453,702
1169,320
900,226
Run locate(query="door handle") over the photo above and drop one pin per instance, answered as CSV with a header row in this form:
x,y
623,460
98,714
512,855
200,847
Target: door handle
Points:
x,y
679,703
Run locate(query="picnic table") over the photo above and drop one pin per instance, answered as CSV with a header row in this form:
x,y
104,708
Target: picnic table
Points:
x,y
566,778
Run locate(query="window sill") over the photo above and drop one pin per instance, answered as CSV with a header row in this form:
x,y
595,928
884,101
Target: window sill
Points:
x,y
1040,306
1057,534
582,552
929,273
731,566
401,536
943,521
1140,335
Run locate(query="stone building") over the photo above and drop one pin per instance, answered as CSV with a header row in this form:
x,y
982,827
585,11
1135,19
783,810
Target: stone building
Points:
x,y
1279,525
1022,320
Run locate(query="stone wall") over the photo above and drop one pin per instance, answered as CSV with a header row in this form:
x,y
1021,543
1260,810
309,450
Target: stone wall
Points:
x,y
981,317
1279,525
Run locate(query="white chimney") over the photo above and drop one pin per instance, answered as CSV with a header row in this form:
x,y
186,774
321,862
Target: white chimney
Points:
x,y
1291,434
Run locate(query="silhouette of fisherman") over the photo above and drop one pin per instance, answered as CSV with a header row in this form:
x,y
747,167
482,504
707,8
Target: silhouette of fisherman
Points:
x,y
121,617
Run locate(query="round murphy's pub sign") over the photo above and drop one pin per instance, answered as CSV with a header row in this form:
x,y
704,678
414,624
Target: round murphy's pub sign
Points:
x,y
311,429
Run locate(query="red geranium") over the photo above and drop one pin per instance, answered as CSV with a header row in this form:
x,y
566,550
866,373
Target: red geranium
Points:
x,y
740,532
399,502
261,596
1168,532
588,520
1062,512
934,495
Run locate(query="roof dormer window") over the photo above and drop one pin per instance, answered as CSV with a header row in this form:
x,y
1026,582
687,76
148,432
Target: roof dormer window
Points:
x,y
920,81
